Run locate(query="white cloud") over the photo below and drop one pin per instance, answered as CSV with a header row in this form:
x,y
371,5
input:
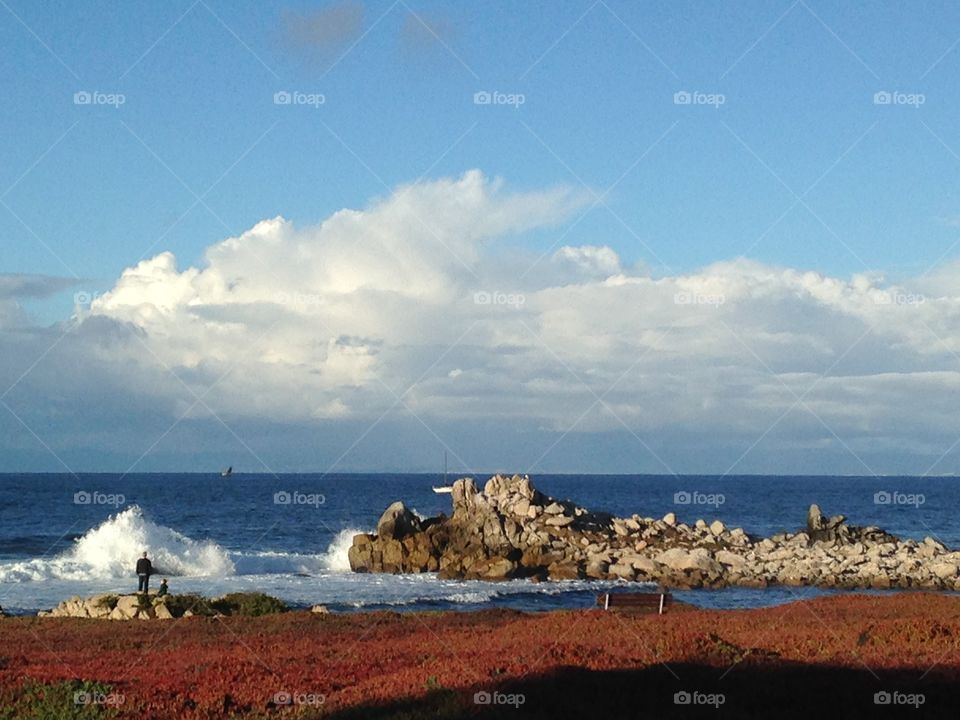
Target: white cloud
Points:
x,y
378,307
595,261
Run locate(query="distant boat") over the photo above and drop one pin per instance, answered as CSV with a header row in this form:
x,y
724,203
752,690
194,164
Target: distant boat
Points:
x,y
227,473
443,488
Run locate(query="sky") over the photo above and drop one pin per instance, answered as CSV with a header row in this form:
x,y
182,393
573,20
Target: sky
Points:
x,y
578,236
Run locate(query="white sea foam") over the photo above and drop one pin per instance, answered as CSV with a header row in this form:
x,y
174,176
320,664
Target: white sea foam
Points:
x,y
111,549
336,556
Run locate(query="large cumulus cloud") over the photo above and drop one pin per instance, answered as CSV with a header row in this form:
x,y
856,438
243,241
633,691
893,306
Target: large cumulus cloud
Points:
x,y
415,305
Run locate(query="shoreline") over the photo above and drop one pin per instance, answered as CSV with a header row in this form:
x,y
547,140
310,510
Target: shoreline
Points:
x,y
380,664
779,594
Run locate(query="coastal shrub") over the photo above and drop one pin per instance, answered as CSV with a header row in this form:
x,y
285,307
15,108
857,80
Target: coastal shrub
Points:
x,y
197,604
108,601
248,604
240,604
68,700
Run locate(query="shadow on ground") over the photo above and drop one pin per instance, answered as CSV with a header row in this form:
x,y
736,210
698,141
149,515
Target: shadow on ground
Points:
x,y
689,691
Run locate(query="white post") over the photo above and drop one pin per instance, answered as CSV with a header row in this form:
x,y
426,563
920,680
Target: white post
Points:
x,y
661,604
606,601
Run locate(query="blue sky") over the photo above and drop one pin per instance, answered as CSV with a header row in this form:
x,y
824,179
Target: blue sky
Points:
x,y
796,166
598,81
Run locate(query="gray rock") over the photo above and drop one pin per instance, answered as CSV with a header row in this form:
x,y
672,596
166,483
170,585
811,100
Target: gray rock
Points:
x,y
397,522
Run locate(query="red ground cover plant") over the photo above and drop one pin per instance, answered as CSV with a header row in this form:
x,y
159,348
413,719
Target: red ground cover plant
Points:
x,y
367,663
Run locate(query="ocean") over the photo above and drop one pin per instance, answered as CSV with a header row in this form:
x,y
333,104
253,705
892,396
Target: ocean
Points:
x,y
63,535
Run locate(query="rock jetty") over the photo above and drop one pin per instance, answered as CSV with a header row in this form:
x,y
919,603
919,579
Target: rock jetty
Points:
x,y
512,530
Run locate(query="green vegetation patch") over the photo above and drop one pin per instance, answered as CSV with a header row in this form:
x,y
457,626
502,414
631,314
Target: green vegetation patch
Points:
x,y
252,604
69,700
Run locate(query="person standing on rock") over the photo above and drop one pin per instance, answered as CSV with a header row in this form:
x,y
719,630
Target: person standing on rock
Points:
x,y
144,571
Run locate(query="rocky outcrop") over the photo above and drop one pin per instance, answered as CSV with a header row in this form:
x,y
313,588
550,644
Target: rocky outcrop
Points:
x,y
511,530
106,606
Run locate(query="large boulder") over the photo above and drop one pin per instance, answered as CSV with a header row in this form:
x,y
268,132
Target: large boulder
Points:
x,y
127,608
162,612
681,559
360,554
397,522
464,496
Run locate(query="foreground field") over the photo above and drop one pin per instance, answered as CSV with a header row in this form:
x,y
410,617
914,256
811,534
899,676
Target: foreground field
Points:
x,y
895,655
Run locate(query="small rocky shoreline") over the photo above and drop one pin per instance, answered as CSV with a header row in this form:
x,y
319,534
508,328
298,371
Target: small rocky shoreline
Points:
x,y
511,530
110,606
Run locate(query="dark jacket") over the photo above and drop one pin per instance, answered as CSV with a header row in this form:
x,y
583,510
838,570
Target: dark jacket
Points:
x,y
144,567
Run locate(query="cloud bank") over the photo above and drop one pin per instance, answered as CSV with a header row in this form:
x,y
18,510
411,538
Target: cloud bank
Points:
x,y
425,308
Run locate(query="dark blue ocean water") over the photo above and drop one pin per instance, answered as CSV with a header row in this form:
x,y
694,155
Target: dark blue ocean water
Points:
x,y
62,534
